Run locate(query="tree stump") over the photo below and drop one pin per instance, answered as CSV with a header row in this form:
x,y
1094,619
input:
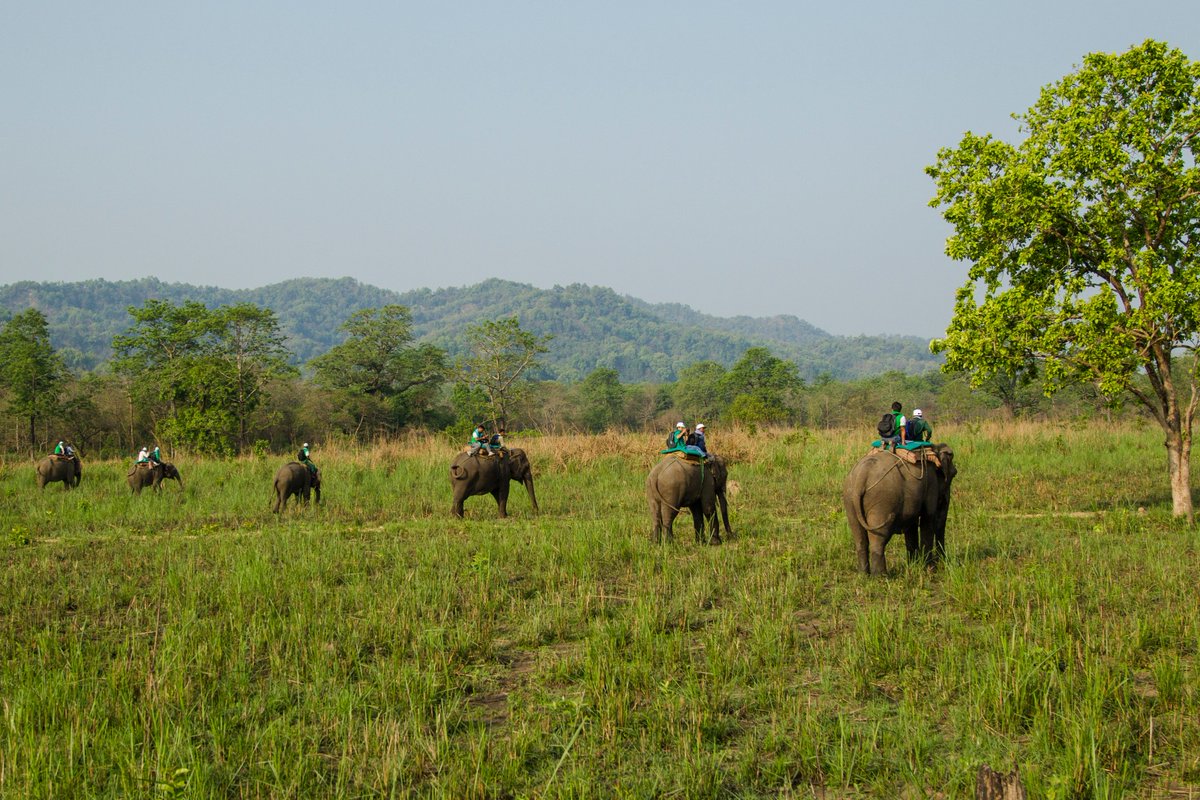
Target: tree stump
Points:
x,y
992,785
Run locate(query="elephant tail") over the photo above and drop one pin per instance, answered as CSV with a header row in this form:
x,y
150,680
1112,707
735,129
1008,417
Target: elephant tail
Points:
x,y
457,472
860,514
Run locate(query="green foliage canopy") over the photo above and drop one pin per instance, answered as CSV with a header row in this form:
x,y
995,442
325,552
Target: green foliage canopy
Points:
x,y
379,370
31,371
1083,239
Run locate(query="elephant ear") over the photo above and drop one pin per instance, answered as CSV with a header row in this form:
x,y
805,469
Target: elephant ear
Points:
x,y
946,454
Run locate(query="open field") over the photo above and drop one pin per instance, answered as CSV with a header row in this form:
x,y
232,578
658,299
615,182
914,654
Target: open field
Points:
x,y
191,644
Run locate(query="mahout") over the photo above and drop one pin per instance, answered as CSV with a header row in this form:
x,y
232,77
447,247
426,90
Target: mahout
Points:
x,y
490,474
889,492
295,480
676,483
152,474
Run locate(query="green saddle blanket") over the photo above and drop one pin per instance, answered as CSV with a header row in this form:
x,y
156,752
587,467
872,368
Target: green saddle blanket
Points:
x,y
905,446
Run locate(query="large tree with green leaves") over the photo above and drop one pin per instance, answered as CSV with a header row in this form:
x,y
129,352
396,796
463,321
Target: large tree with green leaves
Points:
x,y
380,374
500,353
31,371
200,372
1083,241
762,387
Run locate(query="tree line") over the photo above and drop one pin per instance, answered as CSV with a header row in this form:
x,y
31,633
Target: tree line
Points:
x,y
220,381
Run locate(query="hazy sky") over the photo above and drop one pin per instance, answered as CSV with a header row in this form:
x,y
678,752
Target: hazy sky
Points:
x,y
743,158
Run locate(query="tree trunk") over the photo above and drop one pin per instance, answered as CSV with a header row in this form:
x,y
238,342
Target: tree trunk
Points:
x,y
1179,465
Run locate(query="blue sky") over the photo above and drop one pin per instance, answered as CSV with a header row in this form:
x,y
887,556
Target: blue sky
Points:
x,y
750,158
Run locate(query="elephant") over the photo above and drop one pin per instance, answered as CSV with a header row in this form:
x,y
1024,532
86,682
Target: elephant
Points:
x,y
142,476
59,468
295,479
884,494
471,475
675,484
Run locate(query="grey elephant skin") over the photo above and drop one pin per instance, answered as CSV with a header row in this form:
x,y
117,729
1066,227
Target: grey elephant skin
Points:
x,y
472,475
141,477
675,484
67,470
885,495
295,480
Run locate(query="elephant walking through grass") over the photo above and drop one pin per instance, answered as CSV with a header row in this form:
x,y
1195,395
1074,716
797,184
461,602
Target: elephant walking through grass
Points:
x,y
676,483
478,474
295,480
886,494
152,475
59,468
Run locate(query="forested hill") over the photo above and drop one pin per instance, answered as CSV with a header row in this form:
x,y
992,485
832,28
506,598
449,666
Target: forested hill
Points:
x,y
592,326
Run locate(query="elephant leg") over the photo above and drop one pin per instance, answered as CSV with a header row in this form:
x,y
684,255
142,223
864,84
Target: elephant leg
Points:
x,y
669,522
501,503
656,522
877,543
699,521
913,542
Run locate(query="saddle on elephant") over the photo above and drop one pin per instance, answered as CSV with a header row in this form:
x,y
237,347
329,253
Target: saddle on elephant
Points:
x,y
692,455
911,453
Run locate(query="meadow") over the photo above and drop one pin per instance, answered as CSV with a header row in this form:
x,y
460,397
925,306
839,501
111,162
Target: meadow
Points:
x,y
193,644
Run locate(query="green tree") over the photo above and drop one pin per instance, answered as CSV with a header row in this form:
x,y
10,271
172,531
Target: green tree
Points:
x,y
1083,241
199,372
763,387
602,399
500,355
251,354
32,372
699,391
378,371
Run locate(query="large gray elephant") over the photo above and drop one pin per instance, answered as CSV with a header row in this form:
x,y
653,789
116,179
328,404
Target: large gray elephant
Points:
x,y
676,483
884,494
295,479
145,474
471,475
59,468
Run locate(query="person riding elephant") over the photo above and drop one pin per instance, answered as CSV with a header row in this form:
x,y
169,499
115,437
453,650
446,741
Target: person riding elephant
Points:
x,y
470,476
885,494
59,468
139,478
295,480
699,486
303,458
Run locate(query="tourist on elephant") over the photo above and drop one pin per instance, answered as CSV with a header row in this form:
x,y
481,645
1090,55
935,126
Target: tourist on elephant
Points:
x,y
156,455
143,455
677,438
478,440
303,458
60,449
697,439
918,430
496,442
896,435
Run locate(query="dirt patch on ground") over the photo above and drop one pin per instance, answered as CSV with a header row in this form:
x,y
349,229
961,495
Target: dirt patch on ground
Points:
x,y
518,665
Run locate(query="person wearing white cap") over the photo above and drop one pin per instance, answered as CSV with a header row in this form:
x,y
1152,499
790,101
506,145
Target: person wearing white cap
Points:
x,y
918,429
697,438
678,437
303,458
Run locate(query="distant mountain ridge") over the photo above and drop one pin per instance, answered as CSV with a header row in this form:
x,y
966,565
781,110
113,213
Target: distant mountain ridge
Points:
x,y
592,326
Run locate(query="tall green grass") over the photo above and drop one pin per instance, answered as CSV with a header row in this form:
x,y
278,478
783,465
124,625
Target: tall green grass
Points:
x,y
193,644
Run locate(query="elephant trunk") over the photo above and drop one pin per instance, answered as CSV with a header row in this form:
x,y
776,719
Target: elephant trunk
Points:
x,y
532,495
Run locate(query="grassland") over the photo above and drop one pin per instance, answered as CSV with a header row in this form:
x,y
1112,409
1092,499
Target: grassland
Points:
x,y
192,644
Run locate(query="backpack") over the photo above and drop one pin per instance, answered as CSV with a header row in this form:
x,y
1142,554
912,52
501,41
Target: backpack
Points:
x,y
887,425
910,430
